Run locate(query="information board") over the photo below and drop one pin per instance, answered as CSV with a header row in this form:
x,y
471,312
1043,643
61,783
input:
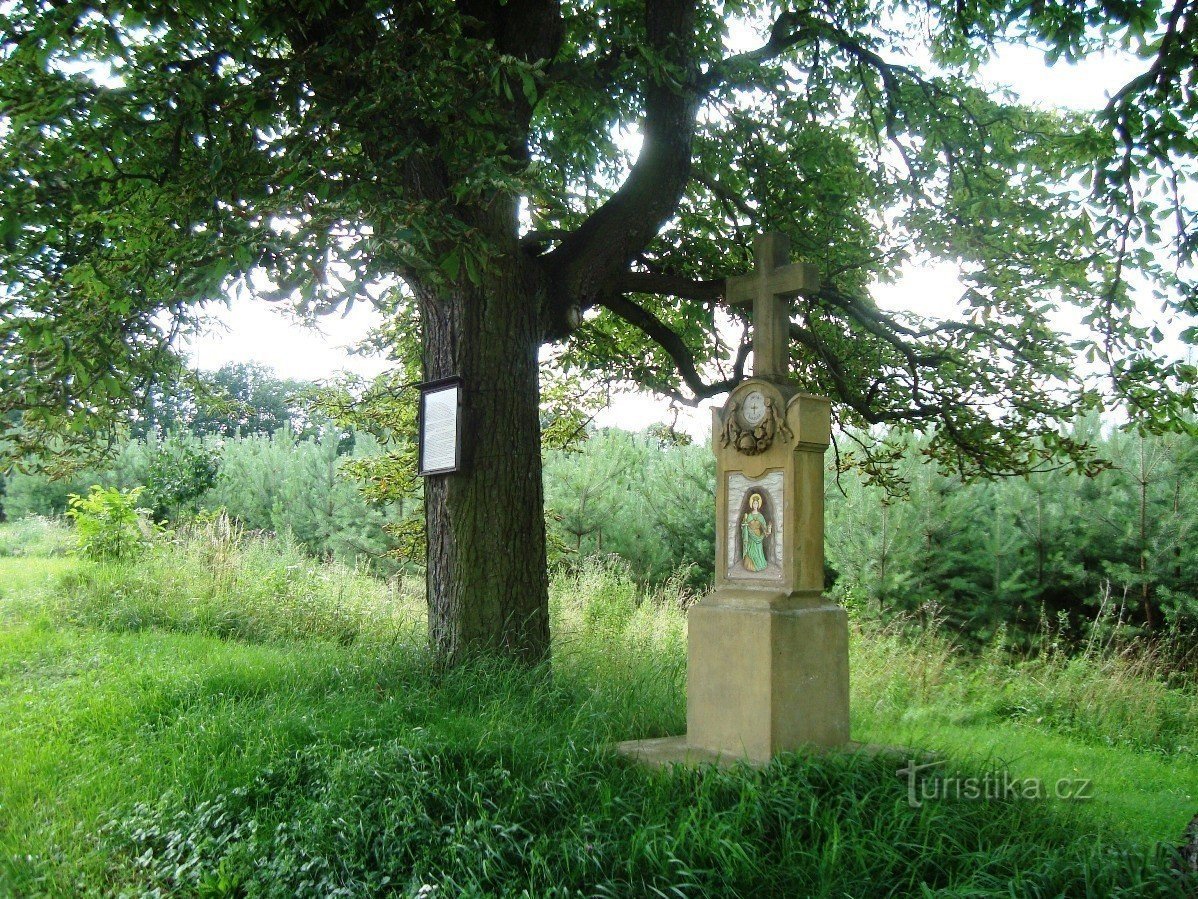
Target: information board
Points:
x,y
440,426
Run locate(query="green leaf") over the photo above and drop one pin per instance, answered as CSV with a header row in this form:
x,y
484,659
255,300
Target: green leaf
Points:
x,y
451,264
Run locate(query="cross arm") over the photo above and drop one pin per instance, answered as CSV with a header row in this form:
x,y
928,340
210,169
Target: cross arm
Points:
x,y
786,281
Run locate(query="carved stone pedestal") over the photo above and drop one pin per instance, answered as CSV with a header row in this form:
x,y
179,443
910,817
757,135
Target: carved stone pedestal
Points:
x,y
766,680
767,653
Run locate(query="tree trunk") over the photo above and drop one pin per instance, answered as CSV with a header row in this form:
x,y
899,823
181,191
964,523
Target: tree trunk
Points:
x,y
1145,603
1041,548
882,558
486,574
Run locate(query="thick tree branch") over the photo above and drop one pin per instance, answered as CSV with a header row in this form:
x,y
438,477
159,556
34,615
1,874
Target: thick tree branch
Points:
x,y
670,285
903,340
847,393
1171,55
583,265
528,29
732,200
739,69
884,327
684,360
534,240
789,30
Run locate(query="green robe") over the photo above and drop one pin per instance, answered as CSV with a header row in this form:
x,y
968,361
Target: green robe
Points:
x,y
753,530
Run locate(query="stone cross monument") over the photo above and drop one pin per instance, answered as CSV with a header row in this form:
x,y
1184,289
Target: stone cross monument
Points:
x,y
767,654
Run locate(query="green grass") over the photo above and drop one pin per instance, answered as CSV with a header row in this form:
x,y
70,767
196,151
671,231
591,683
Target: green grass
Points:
x,y
1105,719
299,742
34,536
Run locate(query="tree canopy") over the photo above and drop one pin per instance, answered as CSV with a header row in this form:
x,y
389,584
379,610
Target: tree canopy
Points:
x,y
237,399
506,175
156,157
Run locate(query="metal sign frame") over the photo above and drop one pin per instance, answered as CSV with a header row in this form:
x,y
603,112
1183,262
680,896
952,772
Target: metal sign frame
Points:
x,y
426,389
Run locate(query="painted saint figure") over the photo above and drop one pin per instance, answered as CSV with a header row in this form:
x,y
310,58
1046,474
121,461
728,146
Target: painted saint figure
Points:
x,y
753,531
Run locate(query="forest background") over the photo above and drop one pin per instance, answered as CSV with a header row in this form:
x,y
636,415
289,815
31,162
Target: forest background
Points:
x,y
1055,555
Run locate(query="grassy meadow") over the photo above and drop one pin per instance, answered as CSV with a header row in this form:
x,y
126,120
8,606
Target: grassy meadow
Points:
x,y
226,717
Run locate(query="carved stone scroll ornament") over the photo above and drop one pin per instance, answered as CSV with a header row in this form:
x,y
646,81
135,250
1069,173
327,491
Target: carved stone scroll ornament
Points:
x,y
751,426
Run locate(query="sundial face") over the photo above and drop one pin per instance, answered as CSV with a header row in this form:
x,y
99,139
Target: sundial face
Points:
x,y
753,408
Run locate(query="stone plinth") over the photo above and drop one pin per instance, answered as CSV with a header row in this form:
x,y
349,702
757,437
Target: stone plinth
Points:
x,y
666,751
766,680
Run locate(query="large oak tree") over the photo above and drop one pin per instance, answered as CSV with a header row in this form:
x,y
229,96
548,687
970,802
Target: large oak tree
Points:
x,y
507,176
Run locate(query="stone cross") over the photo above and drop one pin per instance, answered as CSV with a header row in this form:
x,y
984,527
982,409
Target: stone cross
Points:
x,y
767,666
770,287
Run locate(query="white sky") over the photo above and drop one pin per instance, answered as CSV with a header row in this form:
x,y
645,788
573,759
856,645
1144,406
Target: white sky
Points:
x,y
260,332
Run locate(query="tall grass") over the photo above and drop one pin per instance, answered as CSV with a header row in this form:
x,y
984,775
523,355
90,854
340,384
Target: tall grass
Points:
x,y
212,577
35,536
1112,696
227,717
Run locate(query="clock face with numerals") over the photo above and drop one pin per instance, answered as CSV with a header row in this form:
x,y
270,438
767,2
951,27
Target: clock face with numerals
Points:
x,y
753,408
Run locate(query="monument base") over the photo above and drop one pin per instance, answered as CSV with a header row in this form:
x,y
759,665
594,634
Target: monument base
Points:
x,y
766,673
666,751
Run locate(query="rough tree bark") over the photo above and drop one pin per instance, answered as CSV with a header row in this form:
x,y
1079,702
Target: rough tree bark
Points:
x,y
486,574
487,579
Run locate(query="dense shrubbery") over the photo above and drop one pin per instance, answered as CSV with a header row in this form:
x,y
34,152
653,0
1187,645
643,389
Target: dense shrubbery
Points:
x,y
178,474
635,497
269,482
1014,555
175,469
28,495
284,484
1054,549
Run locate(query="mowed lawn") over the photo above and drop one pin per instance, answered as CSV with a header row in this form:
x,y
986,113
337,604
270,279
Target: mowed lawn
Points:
x,y
136,757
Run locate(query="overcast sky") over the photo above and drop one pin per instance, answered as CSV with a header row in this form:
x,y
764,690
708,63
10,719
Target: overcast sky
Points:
x,y
260,332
